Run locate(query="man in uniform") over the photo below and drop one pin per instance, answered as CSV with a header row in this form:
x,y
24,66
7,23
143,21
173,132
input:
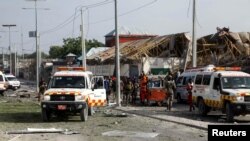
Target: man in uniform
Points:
x,y
170,86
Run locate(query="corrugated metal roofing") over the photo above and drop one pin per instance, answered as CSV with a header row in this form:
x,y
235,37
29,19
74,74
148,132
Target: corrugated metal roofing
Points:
x,y
153,46
128,31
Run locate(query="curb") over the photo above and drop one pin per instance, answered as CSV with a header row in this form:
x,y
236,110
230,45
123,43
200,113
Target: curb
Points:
x,y
168,120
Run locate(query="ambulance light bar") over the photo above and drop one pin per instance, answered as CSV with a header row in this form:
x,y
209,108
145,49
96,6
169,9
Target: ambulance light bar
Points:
x,y
227,68
71,69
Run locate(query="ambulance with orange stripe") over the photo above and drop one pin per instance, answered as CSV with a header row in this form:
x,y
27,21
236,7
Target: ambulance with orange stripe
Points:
x,y
223,88
73,90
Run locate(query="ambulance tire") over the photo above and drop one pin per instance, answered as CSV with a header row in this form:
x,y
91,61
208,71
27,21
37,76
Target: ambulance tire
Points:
x,y
229,112
45,115
202,108
84,113
91,111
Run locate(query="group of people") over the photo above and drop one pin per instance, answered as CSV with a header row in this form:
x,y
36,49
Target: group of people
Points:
x,y
128,89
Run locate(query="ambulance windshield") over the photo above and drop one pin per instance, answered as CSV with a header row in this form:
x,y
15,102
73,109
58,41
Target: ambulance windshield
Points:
x,y
154,83
68,82
235,82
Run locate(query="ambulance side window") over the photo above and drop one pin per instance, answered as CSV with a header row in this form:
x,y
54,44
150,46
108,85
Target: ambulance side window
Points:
x,y
179,81
198,79
184,81
216,83
206,79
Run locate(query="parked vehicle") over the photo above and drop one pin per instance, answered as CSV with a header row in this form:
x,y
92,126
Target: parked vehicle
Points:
x,y
73,90
13,82
156,91
222,88
3,83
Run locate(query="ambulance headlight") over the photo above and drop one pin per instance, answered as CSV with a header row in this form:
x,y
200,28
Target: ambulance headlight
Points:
x,y
79,97
240,98
46,98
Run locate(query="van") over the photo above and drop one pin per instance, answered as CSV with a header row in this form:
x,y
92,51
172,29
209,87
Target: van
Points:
x,y
13,82
224,88
3,84
181,93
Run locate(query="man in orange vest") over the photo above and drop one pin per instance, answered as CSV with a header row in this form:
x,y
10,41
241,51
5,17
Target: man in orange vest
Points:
x,y
143,87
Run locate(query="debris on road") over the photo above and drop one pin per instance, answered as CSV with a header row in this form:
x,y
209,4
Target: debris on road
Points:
x,y
43,130
118,133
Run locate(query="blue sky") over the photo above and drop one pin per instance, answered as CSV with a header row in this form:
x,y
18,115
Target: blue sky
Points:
x,y
159,17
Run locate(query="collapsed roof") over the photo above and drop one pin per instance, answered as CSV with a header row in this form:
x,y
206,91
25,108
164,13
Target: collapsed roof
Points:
x,y
174,45
224,48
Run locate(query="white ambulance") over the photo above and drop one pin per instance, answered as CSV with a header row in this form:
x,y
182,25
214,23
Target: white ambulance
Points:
x,y
3,83
181,93
223,88
73,90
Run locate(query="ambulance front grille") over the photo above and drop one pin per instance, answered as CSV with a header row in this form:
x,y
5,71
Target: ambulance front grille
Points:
x,y
62,98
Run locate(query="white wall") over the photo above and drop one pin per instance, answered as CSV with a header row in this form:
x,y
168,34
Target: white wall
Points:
x,y
150,62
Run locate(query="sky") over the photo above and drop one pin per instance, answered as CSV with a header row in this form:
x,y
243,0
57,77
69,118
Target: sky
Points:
x,y
158,17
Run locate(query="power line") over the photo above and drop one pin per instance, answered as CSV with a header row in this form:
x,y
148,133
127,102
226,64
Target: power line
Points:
x,y
126,13
72,17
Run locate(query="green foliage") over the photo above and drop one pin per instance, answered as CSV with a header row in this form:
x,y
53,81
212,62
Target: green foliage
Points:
x,y
33,55
72,45
55,52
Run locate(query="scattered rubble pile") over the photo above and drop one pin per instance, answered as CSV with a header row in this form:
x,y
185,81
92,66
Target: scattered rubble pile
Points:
x,y
174,45
224,48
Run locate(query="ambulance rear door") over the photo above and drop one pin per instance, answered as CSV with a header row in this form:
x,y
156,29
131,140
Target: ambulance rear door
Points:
x,y
99,96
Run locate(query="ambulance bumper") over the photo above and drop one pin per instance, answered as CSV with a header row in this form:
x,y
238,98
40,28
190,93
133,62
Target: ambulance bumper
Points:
x,y
63,105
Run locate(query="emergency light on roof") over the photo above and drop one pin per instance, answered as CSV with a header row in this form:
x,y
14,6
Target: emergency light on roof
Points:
x,y
227,68
70,69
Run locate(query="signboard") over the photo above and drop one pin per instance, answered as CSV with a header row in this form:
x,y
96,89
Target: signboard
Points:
x,y
32,34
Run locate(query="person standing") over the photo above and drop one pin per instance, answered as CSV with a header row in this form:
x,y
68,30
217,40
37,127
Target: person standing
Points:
x,y
143,87
189,89
107,88
170,86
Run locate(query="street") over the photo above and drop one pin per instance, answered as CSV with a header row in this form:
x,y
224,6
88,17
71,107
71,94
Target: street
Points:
x,y
109,123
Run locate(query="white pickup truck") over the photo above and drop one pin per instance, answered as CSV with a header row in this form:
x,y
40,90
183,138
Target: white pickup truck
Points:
x,y
73,90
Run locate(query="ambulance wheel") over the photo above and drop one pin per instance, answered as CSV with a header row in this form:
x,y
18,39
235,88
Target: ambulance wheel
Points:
x,y
91,111
229,112
202,108
84,113
45,115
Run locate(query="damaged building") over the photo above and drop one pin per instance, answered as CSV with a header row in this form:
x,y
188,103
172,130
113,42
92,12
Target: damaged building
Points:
x,y
224,48
157,55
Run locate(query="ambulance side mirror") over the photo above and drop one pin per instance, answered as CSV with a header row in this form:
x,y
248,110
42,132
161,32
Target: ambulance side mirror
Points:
x,y
92,87
218,88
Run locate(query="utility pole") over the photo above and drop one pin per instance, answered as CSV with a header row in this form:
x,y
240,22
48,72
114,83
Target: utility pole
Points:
x,y
15,59
84,64
22,42
37,47
117,52
3,58
9,26
194,59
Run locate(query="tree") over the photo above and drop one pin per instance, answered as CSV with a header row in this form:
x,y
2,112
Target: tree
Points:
x,y
55,52
72,45
33,55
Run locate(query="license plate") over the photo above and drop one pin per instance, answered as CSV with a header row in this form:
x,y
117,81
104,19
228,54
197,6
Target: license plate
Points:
x,y
61,107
